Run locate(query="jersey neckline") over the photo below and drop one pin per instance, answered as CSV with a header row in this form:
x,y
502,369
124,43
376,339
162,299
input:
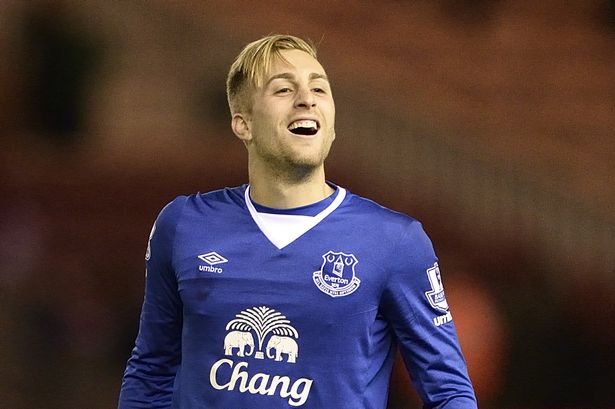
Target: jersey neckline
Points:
x,y
284,226
312,209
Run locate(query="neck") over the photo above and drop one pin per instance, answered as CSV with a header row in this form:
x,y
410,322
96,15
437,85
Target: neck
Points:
x,y
282,191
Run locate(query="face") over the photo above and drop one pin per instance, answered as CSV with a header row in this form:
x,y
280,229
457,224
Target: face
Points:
x,y
291,124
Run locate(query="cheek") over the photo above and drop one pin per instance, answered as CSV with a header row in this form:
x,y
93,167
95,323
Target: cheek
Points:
x,y
262,127
330,115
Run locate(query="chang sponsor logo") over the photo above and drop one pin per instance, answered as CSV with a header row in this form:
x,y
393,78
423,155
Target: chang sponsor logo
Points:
x,y
241,380
260,333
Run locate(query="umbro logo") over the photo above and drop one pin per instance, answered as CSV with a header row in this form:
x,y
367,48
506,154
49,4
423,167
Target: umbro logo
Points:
x,y
212,258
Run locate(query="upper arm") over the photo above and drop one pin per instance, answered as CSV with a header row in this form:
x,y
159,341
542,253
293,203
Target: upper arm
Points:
x,y
150,371
415,307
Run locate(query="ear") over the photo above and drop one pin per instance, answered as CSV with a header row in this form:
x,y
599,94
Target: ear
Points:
x,y
241,127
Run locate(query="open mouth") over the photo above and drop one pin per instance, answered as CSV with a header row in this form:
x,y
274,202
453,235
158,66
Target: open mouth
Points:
x,y
306,127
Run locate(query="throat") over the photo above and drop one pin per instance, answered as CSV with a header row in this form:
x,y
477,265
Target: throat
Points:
x,y
286,171
282,195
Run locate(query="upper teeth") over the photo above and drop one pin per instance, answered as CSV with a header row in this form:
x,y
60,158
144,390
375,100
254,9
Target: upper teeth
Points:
x,y
304,123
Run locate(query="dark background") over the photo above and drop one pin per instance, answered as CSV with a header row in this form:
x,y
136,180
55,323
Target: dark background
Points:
x,y
493,122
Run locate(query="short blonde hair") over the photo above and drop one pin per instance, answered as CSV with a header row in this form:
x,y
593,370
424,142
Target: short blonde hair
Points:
x,y
253,62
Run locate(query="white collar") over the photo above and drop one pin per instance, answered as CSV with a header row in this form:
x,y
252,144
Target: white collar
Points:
x,y
283,229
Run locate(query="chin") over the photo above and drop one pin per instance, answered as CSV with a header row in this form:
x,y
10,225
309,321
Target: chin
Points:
x,y
305,164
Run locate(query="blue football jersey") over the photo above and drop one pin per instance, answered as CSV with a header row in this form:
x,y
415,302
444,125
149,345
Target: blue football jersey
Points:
x,y
249,307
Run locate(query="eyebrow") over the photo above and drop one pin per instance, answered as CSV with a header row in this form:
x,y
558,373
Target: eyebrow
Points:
x,y
289,76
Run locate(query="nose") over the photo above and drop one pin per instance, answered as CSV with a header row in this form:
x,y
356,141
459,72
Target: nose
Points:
x,y
305,98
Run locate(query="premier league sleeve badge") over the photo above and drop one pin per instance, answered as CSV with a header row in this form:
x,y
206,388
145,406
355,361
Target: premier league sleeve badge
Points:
x,y
436,296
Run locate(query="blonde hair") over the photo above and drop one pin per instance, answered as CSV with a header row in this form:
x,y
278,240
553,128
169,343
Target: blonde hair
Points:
x,y
253,62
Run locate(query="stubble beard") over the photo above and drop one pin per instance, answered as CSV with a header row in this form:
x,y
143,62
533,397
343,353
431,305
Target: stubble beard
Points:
x,y
292,167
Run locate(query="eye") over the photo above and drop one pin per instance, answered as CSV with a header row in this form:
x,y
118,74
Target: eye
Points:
x,y
284,90
319,90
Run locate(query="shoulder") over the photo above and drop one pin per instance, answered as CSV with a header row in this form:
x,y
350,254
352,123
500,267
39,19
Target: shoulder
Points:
x,y
215,198
392,228
387,218
185,209
201,200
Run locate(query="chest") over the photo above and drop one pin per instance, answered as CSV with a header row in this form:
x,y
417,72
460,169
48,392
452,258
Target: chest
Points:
x,y
324,276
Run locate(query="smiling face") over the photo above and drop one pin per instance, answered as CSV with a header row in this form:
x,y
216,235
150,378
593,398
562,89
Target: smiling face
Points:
x,y
290,126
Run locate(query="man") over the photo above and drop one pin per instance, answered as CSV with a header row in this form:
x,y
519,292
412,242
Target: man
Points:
x,y
289,291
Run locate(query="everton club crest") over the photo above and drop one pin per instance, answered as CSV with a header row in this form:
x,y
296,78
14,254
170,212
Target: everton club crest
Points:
x,y
337,277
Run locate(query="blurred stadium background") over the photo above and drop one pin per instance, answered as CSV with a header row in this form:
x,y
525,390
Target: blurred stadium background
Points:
x,y
493,122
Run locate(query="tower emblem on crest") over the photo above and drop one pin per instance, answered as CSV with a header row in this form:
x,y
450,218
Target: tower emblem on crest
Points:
x,y
337,276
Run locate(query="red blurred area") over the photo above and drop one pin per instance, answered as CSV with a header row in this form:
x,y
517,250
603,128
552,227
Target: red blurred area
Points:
x,y
491,122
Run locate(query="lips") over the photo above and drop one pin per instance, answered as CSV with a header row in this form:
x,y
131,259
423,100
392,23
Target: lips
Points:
x,y
304,127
